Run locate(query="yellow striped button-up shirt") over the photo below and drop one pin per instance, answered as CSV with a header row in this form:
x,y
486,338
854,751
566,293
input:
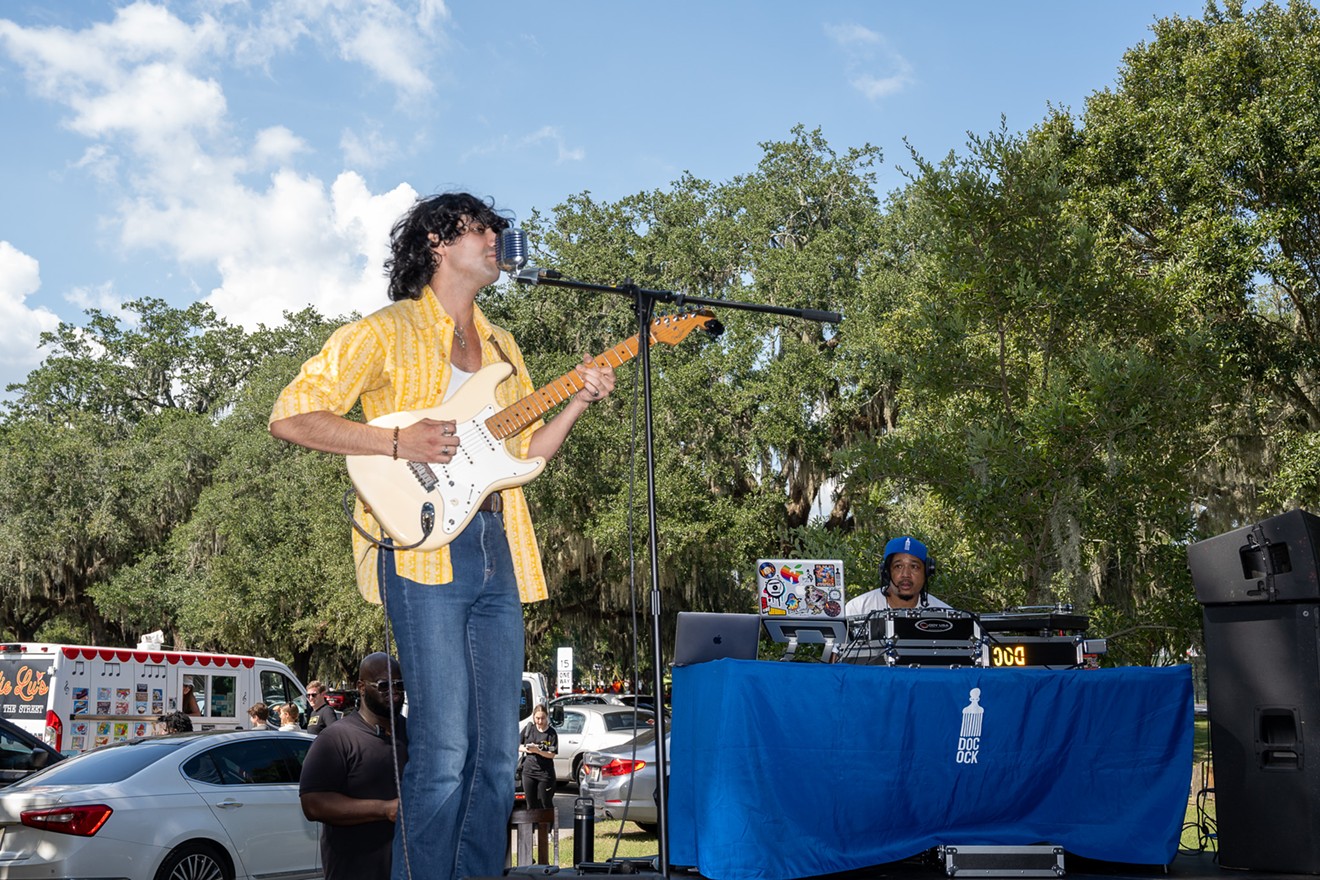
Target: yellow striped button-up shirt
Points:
x,y
398,359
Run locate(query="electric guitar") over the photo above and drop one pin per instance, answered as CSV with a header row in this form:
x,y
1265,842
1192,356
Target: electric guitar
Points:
x,y
424,505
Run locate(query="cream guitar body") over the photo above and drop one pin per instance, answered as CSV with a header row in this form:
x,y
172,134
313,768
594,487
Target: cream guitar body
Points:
x,y
429,504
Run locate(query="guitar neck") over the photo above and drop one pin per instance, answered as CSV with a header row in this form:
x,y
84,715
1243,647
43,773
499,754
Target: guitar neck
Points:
x,y
513,419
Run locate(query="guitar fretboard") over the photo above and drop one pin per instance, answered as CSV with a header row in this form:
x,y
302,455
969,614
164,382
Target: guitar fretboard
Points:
x,y
512,419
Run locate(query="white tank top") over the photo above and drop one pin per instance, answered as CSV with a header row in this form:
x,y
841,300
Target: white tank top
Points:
x,y
456,379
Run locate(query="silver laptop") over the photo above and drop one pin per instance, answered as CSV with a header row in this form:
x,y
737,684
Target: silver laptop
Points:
x,y
703,635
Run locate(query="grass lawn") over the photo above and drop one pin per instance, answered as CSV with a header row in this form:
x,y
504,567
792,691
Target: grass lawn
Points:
x,y
1196,826
633,843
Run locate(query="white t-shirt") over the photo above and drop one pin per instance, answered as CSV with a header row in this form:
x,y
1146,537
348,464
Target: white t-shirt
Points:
x,y
876,600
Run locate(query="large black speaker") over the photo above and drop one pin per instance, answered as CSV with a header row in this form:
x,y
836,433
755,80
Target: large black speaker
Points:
x,y
1261,602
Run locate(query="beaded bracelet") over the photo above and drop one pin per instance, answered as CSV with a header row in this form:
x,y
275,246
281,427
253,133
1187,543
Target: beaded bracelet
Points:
x,y
396,442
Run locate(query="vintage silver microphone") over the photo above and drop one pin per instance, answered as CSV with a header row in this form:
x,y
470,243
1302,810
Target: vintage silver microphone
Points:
x,y
511,255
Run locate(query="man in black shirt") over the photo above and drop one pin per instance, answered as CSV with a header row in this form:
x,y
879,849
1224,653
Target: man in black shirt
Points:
x,y
323,714
349,778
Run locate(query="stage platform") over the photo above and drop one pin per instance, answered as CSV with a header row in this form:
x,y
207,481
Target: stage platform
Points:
x,y
1185,866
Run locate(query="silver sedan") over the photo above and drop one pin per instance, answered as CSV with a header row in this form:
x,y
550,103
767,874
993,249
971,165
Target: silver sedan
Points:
x,y
192,806
621,781
588,728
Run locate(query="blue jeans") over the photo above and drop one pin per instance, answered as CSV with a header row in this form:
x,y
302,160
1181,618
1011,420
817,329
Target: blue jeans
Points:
x,y
461,648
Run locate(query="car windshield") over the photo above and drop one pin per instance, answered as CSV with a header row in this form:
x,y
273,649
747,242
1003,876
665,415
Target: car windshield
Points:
x,y
113,763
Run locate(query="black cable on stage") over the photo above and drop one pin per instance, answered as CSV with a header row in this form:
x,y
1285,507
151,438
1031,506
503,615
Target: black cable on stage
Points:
x,y
632,595
394,750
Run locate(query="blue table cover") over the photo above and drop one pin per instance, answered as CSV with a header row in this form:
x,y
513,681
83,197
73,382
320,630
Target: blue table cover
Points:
x,y
788,770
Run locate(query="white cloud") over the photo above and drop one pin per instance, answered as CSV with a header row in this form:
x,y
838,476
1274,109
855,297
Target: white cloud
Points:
x,y
138,88
430,13
99,162
20,326
378,34
276,145
875,87
297,245
875,68
545,134
551,133
61,63
150,103
850,34
387,50
102,297
368,149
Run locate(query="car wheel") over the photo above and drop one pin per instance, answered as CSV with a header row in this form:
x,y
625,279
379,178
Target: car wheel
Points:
x,y
648,827
194,861
579,772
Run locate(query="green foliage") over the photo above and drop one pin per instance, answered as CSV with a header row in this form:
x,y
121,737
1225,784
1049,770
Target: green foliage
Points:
x,y
1203,173
1048,409
1064,355
108,446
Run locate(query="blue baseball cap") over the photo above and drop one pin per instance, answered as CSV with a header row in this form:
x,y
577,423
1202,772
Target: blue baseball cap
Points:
x,y
905,544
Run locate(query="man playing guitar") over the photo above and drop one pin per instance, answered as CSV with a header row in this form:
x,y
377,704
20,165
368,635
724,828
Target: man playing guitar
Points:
x,y
456,609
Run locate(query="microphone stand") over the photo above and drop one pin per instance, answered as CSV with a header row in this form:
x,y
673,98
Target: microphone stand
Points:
x,y
644,301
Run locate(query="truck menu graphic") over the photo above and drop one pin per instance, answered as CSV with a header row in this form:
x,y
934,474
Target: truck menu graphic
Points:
x,y
23,689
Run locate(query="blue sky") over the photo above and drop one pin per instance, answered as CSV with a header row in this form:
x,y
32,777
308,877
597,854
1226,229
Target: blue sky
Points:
x,y
254,154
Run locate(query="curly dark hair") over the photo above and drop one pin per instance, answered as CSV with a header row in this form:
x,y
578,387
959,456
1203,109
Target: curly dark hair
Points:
x,y
411,263
175,722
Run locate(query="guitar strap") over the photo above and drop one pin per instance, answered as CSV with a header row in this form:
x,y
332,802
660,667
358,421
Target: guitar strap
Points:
x,y
504,357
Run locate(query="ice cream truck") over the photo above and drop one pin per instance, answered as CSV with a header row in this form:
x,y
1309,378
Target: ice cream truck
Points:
x,y
78,697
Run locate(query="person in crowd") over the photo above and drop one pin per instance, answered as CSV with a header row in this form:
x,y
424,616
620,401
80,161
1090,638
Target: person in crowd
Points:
x,y
190,706
540,744
463,643
174,722
349,779
323,714
259,716
904,575
289,717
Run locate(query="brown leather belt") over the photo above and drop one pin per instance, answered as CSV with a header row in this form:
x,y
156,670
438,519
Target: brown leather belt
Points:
x,y
493,503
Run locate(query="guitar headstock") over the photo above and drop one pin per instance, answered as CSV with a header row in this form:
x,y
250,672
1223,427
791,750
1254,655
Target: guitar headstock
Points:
x,y
673,329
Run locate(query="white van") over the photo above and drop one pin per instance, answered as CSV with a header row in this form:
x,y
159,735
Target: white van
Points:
x,y
77,697
533,694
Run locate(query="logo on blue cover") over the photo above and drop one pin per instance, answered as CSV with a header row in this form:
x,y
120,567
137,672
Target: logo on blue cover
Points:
x,y
969,740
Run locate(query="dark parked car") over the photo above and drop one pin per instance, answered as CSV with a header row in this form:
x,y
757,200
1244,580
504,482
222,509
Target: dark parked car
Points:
x,y
641,701
22,754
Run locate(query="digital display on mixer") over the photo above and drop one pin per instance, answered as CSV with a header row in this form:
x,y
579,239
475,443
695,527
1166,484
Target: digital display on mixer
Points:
x,y
1008,652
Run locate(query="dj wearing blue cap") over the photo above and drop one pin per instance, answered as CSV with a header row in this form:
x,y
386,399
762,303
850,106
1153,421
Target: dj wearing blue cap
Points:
x,y
904,573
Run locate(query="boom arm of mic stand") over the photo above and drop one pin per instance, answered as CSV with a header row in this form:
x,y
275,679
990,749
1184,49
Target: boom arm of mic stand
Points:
x,y
533,275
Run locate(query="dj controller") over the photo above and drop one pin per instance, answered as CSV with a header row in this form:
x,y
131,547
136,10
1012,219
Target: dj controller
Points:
x,y
1047,636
